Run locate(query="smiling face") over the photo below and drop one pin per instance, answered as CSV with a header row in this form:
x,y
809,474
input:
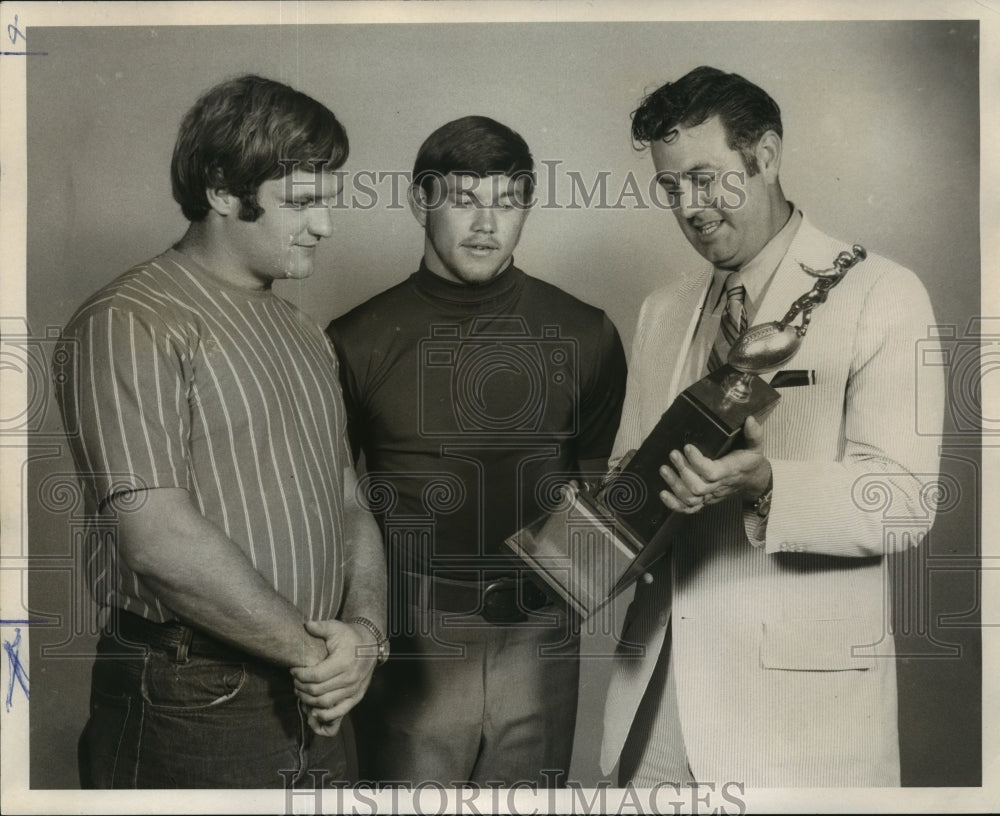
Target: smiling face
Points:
x,y
282,242
471,225
725,213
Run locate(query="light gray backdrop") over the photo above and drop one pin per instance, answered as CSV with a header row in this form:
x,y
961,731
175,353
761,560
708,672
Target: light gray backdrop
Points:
x,y
881,148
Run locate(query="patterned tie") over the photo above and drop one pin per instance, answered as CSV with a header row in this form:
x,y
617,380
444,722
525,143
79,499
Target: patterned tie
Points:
x,y
733,323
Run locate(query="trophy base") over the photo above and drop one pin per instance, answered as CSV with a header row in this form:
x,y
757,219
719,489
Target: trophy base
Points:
x,y
580,551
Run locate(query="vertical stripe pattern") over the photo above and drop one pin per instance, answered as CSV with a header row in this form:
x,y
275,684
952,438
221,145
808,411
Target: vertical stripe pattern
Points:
x,y
180,380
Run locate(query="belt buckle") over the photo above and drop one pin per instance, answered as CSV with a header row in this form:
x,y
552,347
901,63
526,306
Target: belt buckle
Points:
x,y
500,602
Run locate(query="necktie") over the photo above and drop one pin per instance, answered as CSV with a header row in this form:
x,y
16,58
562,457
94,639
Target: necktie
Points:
x,y
733,323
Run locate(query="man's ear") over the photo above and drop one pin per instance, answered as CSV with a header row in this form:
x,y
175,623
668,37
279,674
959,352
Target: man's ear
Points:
x,y
768,154
417,199
222,201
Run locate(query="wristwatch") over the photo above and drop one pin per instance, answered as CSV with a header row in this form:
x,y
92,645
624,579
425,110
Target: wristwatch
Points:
x,y
762,506
381,641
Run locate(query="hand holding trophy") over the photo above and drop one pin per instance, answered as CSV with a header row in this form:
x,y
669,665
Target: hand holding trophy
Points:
x,y
604,537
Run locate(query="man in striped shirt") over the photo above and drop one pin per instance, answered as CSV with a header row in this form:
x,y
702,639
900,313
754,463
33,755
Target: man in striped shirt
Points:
x,y
212,446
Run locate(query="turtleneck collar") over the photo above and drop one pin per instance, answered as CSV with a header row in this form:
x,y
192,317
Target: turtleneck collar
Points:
x,y
483,298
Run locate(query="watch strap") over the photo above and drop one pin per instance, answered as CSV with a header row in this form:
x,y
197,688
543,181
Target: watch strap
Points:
x,y
381,641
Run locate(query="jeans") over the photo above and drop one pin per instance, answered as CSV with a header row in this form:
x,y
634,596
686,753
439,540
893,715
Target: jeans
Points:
x,y
156,722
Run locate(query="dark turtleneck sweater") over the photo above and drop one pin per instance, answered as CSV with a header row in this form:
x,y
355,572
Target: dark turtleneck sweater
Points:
x,y
472,404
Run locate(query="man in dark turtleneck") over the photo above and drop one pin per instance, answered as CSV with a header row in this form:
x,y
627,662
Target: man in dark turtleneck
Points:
x,y
474,391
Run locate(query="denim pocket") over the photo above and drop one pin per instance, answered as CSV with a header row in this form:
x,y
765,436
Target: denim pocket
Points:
x,y
197,684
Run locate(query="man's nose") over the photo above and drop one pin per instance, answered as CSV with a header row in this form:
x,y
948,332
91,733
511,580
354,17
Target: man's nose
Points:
x,y
321,221
485,220
693,198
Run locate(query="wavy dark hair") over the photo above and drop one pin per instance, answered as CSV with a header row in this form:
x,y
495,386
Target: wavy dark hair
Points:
x,y
475,146
246,131
745,110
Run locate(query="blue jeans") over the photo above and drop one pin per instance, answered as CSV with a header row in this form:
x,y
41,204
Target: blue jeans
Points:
x,y
156,722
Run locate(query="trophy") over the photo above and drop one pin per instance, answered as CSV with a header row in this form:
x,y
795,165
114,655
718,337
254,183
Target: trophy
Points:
x,y
604,536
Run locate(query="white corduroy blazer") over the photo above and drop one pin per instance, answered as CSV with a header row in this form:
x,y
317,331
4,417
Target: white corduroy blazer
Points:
x,y
783,654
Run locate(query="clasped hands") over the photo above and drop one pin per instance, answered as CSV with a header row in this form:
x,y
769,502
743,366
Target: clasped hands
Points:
x,y
333,685
695,481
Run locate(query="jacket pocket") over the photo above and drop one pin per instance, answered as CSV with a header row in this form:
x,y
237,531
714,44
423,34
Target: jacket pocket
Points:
x,y
804,644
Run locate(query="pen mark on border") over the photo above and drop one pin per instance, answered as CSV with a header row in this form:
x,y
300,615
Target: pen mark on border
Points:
x,y
13,32
17,672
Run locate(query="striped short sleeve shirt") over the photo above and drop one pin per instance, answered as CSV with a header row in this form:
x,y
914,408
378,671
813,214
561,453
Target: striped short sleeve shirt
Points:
x,y
177,379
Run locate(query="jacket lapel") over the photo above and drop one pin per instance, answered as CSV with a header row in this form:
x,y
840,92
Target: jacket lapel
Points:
x,y
689,302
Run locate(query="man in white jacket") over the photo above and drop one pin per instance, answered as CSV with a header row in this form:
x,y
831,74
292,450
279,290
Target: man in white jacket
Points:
x,y
763,649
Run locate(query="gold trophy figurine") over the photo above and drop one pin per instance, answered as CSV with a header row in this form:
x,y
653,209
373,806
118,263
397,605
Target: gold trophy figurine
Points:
x,y
768,346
